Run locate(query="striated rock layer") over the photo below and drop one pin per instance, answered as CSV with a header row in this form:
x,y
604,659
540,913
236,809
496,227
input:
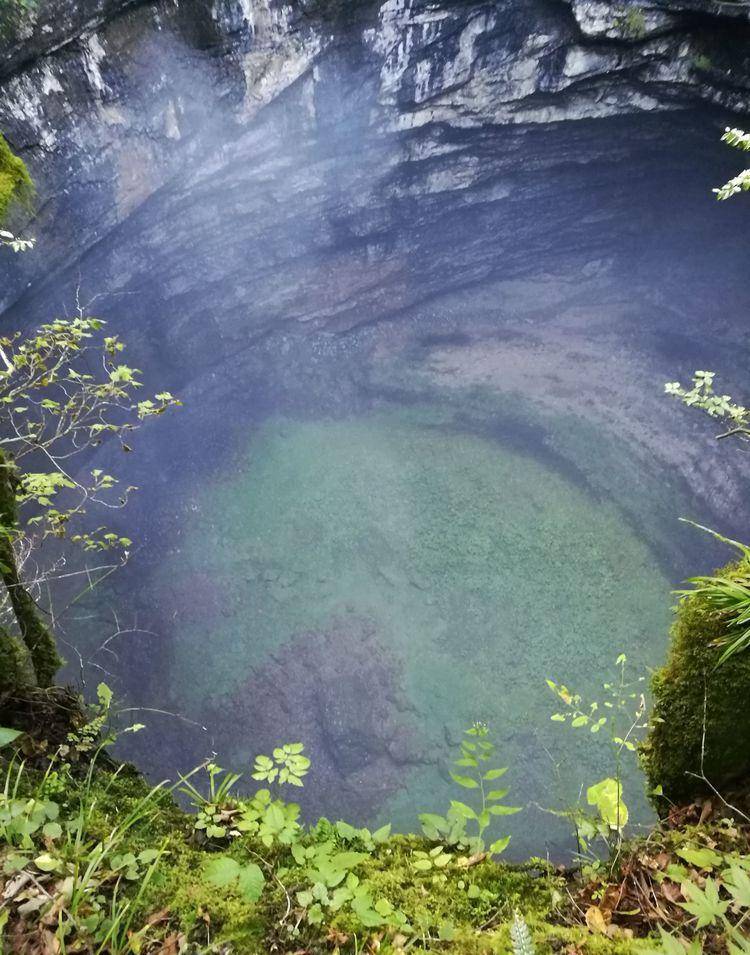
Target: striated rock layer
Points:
x,y
110,100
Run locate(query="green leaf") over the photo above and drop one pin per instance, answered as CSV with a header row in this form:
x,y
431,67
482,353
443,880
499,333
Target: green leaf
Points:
x,y
8,735
221,871
700,857
737,882
495,773
47,863
466,781
462,809
380,835
500,845
607,797
52,830
104,695
446,931
496,794
504,810
305,898
251,881
705,905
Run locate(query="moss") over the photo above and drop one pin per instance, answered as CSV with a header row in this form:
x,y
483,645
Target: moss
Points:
x,y
15,663
15,181
689,691
434,898
36,635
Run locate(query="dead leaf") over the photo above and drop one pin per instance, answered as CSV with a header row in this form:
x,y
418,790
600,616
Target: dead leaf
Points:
x,y
466,862
161,916
671,891
14,885
170,945
595,920
335,937
48,944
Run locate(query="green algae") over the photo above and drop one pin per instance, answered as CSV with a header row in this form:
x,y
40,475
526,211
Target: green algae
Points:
x,y
483,569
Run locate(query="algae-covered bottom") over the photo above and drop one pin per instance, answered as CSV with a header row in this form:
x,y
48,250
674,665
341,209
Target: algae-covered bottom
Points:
x,y
372,585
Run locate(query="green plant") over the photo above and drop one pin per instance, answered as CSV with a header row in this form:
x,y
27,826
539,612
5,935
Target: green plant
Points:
x,y
16,186
8,735
451,828
436,858
219,815
43,839
246,878
699,738
331,885
741,182
520,935
722,901
214,812
271,820
632,23
287,765
701,395
621,716
55,408
368,840
23,817
729,598
14,242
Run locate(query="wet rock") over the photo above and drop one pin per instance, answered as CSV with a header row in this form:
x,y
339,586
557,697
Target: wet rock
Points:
x,y
111,100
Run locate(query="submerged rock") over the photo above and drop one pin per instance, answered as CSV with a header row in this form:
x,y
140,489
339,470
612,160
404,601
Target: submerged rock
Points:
x,y
340,692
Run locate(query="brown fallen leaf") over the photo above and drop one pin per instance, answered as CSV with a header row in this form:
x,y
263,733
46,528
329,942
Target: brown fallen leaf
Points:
x,y
161,916
595,920
466,862
48,943
671,891
170,945
335,937
14,885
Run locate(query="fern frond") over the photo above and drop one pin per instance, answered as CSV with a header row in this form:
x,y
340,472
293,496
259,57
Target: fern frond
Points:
x,y
521,936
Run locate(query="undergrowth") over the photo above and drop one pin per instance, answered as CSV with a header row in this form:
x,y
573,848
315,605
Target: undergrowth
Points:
x,y
95,860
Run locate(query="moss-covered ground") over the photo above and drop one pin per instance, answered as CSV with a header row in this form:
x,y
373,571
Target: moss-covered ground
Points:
x,y
122,870
118,868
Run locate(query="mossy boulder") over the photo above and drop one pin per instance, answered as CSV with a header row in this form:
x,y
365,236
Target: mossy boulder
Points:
x,y
692,694
15,181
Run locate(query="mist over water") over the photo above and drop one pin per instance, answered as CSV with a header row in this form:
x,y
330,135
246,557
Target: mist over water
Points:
x,y
424,460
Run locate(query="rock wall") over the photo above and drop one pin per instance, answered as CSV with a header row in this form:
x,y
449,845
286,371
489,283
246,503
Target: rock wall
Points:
x,y
109,100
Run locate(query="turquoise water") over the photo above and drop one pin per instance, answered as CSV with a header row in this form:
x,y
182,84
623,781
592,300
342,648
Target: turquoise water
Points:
x,y
372,585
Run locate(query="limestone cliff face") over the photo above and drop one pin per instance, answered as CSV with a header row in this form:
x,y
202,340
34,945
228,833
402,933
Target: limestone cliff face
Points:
x,y
126,93
501,209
